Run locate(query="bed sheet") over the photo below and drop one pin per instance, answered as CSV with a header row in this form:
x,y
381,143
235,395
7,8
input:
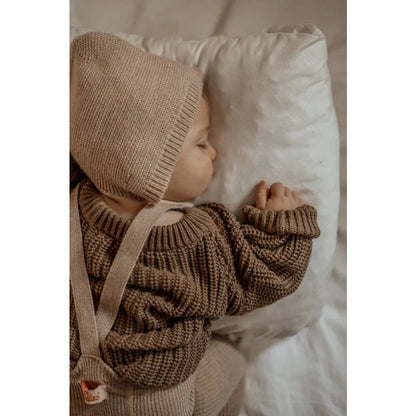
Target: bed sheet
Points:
x,y
305,374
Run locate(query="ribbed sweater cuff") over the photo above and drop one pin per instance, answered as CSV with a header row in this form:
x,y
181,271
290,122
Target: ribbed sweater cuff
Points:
x,y
300,221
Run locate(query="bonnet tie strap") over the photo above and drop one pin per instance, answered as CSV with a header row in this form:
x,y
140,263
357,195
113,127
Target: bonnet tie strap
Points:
x,y
84,304
125,260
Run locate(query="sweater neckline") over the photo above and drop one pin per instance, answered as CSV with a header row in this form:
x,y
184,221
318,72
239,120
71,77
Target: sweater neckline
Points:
x,y
99,215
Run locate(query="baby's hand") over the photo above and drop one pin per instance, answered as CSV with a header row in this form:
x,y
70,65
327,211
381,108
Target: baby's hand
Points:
x,y
277,198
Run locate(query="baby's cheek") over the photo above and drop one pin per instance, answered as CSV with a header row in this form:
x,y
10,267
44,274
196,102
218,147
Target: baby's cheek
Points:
x,y
201,169
209,171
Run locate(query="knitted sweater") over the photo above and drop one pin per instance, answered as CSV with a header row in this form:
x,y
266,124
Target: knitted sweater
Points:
x,y
188,273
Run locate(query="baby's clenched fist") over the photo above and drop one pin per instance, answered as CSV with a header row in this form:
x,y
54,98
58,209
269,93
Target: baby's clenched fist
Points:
x,y
277,197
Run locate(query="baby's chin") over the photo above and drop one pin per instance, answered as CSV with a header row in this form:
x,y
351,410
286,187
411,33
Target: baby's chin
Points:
x,y
185,195
200,192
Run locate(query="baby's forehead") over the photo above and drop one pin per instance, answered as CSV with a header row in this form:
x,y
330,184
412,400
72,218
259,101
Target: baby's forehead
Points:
x,y
205,103
204,114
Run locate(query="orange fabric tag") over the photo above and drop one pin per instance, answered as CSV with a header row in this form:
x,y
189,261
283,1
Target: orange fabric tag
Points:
x,y
93,392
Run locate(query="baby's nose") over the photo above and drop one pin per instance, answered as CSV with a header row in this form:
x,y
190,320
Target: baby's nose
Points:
x,y
213,152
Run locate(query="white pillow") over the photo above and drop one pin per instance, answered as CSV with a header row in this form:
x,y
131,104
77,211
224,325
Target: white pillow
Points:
x,y
272,119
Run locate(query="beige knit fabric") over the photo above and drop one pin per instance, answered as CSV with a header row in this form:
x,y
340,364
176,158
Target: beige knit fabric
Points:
x,y
189,273
130,113
236,401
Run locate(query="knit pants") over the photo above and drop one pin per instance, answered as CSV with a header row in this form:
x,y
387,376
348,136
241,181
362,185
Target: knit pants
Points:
x,y
220,380
236,401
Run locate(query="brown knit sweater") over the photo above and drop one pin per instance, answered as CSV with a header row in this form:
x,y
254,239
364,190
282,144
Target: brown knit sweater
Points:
x,y
189,273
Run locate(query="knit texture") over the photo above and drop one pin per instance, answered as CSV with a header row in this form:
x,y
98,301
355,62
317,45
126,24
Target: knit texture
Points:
x,y
130,114
189,273
236,401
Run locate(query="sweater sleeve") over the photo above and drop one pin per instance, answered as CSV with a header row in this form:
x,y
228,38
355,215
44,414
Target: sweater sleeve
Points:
x,y
268,253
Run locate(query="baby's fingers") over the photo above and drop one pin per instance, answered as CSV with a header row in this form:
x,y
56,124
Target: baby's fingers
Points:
x,y
298,199
277,189
261,195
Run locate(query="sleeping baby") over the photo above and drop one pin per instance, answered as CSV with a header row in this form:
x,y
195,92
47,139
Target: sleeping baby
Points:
x,y
150,269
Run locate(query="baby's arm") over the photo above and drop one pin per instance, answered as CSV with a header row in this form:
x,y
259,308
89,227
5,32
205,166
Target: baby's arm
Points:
x,y
270,252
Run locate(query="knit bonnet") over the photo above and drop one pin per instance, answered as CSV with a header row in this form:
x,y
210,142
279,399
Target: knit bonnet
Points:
x,y
130,114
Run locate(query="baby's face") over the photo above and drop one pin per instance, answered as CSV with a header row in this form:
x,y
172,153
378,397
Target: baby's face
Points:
x,y
194,168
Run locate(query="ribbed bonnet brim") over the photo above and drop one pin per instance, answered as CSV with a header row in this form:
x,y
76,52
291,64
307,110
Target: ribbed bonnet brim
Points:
x,y
130,114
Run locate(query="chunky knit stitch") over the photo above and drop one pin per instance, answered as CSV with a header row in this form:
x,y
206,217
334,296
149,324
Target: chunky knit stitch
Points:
x,y
189,273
